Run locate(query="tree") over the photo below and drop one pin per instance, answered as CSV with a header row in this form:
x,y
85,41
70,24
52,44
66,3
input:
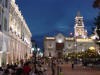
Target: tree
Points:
x,y
96,4
97,23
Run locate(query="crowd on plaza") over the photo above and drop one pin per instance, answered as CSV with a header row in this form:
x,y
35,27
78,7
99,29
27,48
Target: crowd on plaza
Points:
x,y
23,68
30,67
38,66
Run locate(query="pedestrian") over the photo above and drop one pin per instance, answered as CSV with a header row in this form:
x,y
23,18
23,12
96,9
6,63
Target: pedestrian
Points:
x,y
6,72
72,64
26,68
53,67
32,71
19,71
1,71
61,73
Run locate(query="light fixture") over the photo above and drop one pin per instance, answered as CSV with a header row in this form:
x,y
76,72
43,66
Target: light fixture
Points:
x,y
38,49
32,49
59,40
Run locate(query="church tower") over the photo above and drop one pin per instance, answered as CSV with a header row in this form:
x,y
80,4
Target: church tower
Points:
x,y
79,30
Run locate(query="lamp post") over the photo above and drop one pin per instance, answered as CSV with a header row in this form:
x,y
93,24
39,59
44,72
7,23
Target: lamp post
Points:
x,y
38,49
76,49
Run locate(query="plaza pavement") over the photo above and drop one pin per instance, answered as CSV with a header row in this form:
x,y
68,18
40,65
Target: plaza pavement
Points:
x,y
78,70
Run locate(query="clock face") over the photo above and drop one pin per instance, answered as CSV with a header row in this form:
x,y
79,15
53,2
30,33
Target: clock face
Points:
x,y
79,21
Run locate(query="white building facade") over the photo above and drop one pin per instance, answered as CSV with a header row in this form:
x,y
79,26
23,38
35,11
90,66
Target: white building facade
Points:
x,y
15,36
60,45
4,25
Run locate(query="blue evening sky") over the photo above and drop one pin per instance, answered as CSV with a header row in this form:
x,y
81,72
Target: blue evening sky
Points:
x,y
49,17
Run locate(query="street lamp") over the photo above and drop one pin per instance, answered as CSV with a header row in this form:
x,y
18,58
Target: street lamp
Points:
x,y
38,49
76,57
41,54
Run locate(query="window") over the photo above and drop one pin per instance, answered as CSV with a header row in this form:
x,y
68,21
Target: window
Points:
x,y
0,1
10,28
0,18
22,36
5,24
6,3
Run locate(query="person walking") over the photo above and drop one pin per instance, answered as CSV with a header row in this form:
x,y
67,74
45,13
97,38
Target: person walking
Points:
x,y
53,67
26,69
61,73
1,71
72,64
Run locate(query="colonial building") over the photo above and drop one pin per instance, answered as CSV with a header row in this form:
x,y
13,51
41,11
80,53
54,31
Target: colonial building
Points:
x,y
15,35
62,45
4,24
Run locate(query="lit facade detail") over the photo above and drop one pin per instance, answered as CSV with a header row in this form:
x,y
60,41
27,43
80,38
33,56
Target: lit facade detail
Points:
x,y
59,38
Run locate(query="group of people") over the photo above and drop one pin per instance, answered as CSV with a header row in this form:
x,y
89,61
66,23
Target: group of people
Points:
x,y
31,67
24,68
17,69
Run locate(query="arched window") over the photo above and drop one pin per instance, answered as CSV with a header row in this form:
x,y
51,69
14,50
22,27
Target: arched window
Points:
x,y
0,17
5,24
6,3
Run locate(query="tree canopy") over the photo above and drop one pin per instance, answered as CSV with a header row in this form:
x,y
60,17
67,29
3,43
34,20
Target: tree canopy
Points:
x,y
96,4
97,23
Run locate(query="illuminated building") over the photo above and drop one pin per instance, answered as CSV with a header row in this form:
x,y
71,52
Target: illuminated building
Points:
x,y
4,25
60,45
15,36
19,44
79,30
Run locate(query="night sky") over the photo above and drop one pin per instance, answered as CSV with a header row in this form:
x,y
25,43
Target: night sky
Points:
x,y
49,17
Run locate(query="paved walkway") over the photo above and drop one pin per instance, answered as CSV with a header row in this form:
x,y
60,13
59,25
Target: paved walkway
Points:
x,y
78,70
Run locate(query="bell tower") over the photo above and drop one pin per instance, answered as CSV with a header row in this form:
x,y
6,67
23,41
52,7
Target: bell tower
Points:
x,y
79,30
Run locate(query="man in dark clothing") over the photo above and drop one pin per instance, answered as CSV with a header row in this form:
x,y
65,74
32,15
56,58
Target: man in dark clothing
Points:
x,y
53,67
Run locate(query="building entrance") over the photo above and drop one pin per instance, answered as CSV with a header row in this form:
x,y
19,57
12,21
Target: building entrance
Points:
x,y
59,49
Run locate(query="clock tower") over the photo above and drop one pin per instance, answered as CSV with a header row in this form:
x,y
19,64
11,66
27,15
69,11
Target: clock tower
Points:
x,y
79,30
